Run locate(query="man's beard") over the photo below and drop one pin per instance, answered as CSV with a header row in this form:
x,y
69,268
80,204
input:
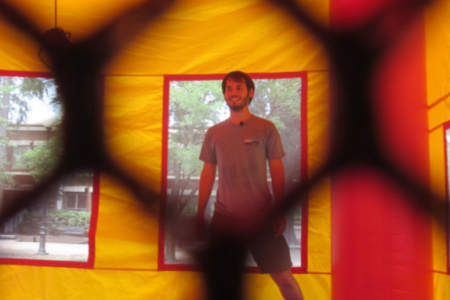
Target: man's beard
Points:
x,y
237,107
244,103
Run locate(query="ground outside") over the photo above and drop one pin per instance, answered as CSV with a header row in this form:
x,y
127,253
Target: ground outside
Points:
x,y
64,247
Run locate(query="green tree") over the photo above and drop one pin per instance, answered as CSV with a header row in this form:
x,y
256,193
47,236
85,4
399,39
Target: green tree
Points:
x,y
43,158
279,101
194,107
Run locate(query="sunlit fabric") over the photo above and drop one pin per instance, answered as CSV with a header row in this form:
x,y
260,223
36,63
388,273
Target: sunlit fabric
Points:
x,y
345,259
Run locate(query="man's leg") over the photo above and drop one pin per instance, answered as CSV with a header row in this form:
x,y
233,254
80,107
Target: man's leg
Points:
x,y
287,284
222,262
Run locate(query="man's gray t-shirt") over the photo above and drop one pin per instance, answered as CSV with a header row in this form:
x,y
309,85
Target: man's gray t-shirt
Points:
x,y
241,153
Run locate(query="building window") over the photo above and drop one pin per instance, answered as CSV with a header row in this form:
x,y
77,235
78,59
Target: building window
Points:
x,y
19,161
192,105
76,201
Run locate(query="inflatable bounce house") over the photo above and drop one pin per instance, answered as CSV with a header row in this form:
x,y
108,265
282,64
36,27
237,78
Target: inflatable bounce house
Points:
x,y
124,92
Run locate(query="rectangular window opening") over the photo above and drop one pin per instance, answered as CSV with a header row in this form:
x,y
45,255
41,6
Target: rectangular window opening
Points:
x,y
54,230
193,103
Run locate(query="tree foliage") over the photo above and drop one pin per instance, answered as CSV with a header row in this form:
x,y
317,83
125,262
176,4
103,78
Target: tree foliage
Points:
x,y
57,221
16,93
43,158
194,107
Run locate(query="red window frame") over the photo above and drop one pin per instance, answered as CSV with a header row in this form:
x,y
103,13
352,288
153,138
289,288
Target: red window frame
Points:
x,y
164,172
446,127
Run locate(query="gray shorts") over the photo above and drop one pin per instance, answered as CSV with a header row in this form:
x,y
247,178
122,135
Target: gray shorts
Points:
x,y
271,253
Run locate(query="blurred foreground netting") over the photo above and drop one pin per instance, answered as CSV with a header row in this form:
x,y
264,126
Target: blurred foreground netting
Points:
x,y
354,53
77,70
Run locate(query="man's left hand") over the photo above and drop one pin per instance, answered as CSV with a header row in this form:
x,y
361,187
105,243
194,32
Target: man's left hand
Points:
x,y
279,225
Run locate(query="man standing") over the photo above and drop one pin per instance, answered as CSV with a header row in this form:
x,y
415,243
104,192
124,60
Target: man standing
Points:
x,y
239,148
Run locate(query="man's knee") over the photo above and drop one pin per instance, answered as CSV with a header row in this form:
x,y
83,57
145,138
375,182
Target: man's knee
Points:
x,y
284,278
287,284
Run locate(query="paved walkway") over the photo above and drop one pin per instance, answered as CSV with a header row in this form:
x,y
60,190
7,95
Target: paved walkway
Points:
x,y
57,248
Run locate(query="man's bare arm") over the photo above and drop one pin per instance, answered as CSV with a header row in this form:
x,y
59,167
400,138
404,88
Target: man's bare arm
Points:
x,y
277,173
206,183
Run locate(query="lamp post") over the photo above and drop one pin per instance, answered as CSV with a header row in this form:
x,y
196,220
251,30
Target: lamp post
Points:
x,y
47,121
43,231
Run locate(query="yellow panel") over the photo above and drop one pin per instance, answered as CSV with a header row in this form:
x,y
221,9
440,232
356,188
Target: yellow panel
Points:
x,y
57,283
125,229
133,125
18,52
33,283
86,17
189,39
437,49
133,121
313,286
442,287
42,14
194,37
439,113
319,214
268,41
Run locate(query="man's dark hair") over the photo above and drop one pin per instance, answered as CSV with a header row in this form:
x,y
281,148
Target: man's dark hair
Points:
x,y
239,76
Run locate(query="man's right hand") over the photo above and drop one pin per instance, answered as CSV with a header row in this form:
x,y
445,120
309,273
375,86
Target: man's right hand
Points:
x,y
200,230
200,235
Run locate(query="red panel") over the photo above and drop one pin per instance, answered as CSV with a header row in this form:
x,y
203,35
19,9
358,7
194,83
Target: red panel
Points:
x,y
381,244
353,13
